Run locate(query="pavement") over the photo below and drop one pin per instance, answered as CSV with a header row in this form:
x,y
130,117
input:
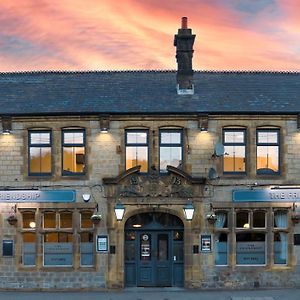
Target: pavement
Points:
x,y
158,294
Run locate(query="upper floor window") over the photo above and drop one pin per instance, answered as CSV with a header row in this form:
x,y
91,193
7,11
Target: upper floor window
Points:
x,y
267,148
136,143
39,152
73,144
235,151
170,149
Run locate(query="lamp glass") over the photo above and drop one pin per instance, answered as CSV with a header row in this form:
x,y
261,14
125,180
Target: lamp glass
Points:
x,y
119,211
189,210
32,224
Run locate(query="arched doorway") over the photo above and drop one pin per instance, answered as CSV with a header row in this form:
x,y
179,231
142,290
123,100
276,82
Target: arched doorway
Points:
x,y
154,250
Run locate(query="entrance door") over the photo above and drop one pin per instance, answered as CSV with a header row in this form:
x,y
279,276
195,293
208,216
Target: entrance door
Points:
x,y
153,250
154,263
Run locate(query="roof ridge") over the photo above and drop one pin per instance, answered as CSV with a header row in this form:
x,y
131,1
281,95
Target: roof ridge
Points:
x,y
147,71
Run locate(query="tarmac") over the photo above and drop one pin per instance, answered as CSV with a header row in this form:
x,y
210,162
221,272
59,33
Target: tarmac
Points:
x,y
157,294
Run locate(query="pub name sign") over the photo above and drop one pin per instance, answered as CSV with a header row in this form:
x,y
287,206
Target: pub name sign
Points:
x,y
266,195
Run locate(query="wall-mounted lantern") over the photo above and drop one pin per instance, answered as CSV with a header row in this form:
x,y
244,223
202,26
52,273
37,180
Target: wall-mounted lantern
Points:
x,y
96,217
119,211
12,218
203,122
6,125
189,210
104,123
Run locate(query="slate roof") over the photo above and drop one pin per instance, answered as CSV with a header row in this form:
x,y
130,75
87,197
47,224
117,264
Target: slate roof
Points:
x,y
148,92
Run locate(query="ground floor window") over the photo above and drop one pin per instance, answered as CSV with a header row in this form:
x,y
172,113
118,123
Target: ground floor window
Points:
x,y
247,230
60,237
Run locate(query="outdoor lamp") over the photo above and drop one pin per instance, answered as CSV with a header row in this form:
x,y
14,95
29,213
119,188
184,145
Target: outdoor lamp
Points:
x,y
203,123
6,125
104,124
189,210
119,211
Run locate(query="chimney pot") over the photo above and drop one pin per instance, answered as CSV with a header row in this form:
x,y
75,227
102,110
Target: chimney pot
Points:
x,y
184,24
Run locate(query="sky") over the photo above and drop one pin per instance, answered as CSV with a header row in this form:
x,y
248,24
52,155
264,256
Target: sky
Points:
x,y
138,34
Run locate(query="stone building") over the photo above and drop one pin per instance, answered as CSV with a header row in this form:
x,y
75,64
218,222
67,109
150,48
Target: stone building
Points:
x,y
203,167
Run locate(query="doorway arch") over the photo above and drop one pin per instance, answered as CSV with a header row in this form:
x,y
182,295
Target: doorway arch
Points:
x,y
154,250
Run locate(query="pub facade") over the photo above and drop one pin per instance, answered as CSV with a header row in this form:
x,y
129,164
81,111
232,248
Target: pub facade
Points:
x,y
177,178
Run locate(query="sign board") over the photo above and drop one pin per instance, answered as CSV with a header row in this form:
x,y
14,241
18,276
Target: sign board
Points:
x,y
205,243
266,195
38,196
102,243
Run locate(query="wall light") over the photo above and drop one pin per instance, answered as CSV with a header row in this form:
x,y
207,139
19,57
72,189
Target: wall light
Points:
x,y
6,125
86,197
189,210
119,211
203,122
104,123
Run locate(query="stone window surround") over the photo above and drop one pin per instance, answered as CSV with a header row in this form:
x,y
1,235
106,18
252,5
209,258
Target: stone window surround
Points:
x,y
269,230
40,231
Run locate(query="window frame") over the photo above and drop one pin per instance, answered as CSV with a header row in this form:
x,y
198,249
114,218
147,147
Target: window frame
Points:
x,y
181,144
138,145
30,131
232,129
277,130
83,145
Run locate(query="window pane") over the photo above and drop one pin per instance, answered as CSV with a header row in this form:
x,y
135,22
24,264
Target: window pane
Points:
x,y
234,137
170,156
267,137
37,138
259,219
73,137
137,156
242,219
49,220
280,219
136,137
250,248
29,249
58,249
162,247
178,251
280,248
86,249
86,221
74,160
65,220
267,159
221,249
40,160
28,220
129,251
234,159
221,220
170,137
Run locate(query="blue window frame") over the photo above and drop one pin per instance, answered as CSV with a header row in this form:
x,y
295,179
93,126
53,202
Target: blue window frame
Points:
x,y
137,149
170,149
267,151
73,152
234,160
39,152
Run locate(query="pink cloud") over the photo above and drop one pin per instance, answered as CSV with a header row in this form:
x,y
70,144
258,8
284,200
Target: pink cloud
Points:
x,y
133,34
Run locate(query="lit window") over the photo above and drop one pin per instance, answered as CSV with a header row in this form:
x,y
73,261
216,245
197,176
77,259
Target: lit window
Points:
x,y
39,152
73,152
234,160
170,149
136,142
267,161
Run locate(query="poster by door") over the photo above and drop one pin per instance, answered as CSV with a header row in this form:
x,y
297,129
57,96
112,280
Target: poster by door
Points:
x,y
205,242
102,243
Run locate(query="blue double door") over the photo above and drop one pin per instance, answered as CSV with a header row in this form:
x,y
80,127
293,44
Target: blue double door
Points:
x,y
154,263
154,258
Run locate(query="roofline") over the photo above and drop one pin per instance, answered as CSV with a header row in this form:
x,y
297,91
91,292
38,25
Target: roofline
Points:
x,y
212,113
297,72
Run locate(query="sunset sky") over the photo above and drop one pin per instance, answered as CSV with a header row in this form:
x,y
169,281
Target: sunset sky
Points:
x,y
138,34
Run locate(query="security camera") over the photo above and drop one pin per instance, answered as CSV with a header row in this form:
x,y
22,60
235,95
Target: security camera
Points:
x,y
86,197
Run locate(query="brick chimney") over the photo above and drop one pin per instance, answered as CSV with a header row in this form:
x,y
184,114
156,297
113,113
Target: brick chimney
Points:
x,y
184,42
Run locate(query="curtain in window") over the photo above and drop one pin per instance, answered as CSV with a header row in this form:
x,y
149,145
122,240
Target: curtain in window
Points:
x,y
221,219
281,222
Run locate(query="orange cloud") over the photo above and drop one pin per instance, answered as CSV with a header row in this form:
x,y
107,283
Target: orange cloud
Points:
x,y
134,34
